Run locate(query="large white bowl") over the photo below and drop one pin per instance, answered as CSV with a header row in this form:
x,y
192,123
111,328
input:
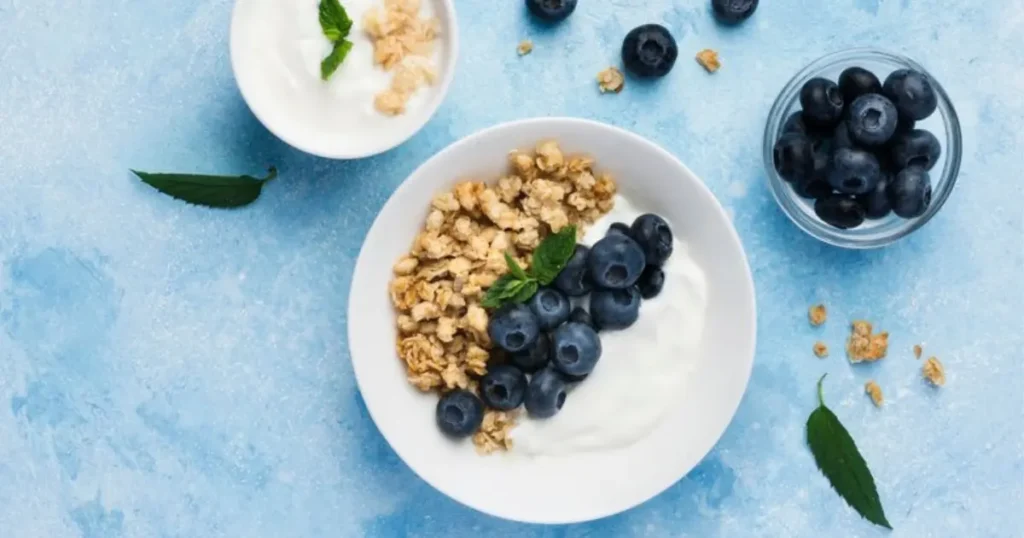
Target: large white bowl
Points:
x,y
589,485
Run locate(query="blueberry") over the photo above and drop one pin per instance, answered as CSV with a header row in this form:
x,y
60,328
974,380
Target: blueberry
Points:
x,y
615,309
513,328
534,357
545,394
651,282
822,102
550,307
619,228
912,93
733,11
551,10
575,349
654,236
910,192
876,201
872,120
615,262
839,211
794,157
841,136
503,388
459,413
579,315
917,148
573,281
857,81
649,51
795,124
853,171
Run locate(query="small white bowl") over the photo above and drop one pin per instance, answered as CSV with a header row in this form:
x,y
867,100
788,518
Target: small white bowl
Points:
x,y
276,47
583,486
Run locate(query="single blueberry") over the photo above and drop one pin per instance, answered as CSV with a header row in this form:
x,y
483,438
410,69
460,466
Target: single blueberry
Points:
x,y
545,394
733,11
551,10
573,281
615,309
459,413
853,171
651,282
910,192
912,93
615,262
550,307
857,81
580,315
654,236
575,349
649,51
513,328
840,211
822,102
876,201
794,157
534,357
872,120
504,387
618,228
918,148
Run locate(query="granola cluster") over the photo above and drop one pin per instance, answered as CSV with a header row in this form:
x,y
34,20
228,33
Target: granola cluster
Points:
x,y
863,345
437,287
610,80
402,42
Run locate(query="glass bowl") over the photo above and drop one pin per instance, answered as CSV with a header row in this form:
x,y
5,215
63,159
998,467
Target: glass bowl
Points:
x,y
873,233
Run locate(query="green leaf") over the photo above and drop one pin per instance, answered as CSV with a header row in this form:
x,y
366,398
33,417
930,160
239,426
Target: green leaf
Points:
x,y
550,257
210,191
330,64
334,20
506,287
529,288
837,457
514,269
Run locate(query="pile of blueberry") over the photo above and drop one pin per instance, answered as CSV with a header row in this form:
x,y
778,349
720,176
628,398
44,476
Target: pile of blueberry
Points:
x,y
853,147
550,344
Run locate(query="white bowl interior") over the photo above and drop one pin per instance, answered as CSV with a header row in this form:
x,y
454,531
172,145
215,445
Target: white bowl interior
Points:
x,y
589,485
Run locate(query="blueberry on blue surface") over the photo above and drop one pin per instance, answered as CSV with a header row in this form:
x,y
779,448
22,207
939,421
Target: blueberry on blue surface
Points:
x,y
534,357
459,413
822,102
504,387
654,236
733,11
872,120
551,308
853,171
580,315
618,228
575,349
857,81
651,282
513,328
615,309
912,93
793,156
573,281
839,211
615,262
910,192
649,51
545,394
918,148
551,10
876,201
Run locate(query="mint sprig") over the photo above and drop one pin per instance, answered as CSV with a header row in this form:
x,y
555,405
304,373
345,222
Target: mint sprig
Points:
x,y
336,25
518,284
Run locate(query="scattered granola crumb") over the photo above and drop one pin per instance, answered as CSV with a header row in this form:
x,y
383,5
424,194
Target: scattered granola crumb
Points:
x,y
820,350
525,47
865,346
934,372
875,392
918,350
709,59
611,80
817,314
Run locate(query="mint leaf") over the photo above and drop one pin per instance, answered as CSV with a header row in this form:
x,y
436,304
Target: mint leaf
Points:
x,y
837,457
503,289
334,20
330,64
209,191
528,289
514,268
552,254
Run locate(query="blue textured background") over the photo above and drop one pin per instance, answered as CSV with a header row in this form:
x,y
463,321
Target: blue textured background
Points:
x,y
172,371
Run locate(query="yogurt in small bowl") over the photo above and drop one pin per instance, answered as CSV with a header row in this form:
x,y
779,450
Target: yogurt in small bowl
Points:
x,y
276,50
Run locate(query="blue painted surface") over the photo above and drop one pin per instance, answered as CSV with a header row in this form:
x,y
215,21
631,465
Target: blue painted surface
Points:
x,y
170,371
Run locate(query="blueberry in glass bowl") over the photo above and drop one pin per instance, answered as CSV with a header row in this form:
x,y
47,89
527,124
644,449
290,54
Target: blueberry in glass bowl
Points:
x,y
906,123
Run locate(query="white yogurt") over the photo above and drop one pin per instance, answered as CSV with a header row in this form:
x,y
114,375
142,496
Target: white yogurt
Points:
x,y
277,47
642,369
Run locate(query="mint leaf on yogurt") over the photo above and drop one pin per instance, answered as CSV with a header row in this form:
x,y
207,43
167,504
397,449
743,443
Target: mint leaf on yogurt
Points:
x,y
334,59
336,25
